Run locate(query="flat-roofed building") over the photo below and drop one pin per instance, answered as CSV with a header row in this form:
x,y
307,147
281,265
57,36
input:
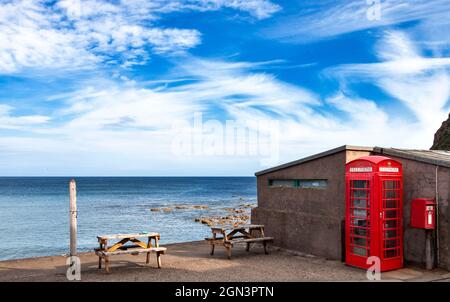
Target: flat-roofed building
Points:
x,y
302,203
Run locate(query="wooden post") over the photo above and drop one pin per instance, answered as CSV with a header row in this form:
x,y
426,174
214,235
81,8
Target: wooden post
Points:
x,y
73,217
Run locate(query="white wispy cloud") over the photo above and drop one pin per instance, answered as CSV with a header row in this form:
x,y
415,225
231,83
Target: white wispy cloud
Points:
x,y
39,35
259,9
319,20
360,111
80,34
421,83
20,122
101,111
308,123
398,55
116,108
237,85
131,122
111,124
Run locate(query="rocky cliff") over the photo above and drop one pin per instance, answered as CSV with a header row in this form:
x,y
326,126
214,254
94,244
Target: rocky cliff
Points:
x,y
442,137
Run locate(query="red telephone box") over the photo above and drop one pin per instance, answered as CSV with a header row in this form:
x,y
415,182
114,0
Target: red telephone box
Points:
x,y
374,226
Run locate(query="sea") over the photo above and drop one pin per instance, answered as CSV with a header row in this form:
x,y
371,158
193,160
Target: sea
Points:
x,y
34,211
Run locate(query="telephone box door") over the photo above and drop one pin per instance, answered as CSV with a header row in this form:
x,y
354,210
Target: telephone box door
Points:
x,y
391,249
359,223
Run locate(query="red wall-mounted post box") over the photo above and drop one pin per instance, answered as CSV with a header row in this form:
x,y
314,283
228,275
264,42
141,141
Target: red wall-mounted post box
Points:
x,y
423,213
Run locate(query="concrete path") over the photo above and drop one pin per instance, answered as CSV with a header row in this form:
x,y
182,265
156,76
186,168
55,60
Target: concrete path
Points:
x,y
192,262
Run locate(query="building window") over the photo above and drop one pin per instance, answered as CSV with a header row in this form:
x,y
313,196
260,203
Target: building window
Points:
x,y
312,183
282,183
299,183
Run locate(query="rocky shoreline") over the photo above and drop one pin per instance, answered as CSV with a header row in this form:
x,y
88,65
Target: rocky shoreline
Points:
x,y
236,216
180,207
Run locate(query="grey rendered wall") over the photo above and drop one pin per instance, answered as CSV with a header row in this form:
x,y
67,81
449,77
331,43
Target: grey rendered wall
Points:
x,y
307,220
420,182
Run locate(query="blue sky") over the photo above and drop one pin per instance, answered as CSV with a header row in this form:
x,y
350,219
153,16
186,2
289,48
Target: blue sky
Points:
x,y
95,87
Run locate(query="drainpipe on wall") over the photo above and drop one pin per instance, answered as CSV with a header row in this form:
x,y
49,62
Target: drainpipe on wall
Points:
x,y
437,218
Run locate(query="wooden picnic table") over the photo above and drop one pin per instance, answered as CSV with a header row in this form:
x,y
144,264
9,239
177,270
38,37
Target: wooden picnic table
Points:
x,y
230,235
119,247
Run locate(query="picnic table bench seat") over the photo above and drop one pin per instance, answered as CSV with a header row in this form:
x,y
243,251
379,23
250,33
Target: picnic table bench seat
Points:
x,y
241,239
124,236
131,250
229,236
137,247
249,240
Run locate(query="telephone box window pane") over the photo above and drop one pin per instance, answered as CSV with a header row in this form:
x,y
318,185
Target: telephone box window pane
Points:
x,y
390,234
391,184
359,222
390,214
390,243
360,241
391,253
391,194
390,224
360,194
359,232
359,251
360,184
390,204
359,213
360,203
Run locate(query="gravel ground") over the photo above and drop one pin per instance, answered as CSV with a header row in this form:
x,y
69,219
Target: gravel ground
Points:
x,y
192,262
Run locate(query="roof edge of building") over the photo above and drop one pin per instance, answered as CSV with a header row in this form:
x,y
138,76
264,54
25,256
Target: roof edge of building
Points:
x,y
315,156
404,154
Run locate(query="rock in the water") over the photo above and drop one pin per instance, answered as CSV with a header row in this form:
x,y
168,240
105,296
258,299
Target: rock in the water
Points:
x,y
234,220
247,206
207,221
200,207
181,207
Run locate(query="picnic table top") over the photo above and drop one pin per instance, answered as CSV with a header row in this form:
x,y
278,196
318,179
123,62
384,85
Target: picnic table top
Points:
x,y
122,236
241,227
